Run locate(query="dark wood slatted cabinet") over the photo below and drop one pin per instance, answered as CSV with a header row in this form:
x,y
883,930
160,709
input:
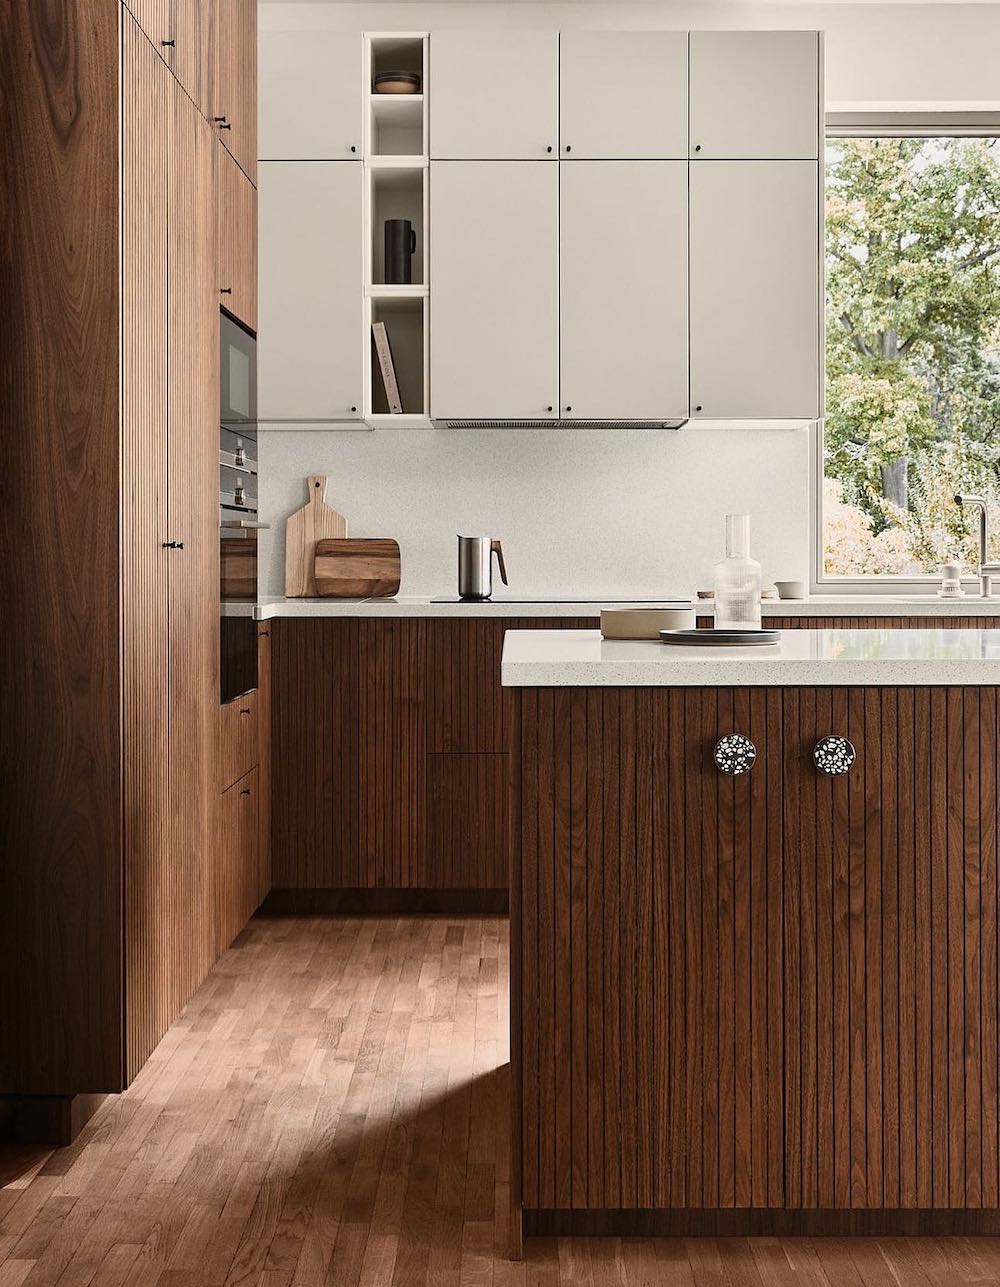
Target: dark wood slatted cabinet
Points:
x,y
109,743
237,242
774,990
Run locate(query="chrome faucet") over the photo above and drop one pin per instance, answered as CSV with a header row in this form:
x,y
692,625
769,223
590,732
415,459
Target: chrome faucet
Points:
x,y
986,570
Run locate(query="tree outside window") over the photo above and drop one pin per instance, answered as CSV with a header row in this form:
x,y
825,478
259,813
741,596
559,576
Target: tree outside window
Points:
x,y
912,351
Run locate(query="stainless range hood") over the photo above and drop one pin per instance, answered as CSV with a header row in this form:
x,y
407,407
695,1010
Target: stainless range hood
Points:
x,y
560,424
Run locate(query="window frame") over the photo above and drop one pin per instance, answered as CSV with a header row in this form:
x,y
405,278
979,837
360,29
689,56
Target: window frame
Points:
x,y
917,122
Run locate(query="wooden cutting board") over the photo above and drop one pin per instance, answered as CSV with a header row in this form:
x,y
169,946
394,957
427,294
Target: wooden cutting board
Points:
x,y
313,522
358,569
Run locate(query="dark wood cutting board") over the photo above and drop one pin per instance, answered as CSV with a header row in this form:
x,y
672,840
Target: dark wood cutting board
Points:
x,y
357,568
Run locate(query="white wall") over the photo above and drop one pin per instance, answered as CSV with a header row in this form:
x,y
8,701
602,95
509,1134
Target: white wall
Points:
x,y
583,511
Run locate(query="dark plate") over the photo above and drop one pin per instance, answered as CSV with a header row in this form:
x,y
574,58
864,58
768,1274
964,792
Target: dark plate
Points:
x,y
720,638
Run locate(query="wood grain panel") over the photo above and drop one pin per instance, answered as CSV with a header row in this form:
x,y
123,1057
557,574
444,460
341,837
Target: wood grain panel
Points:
x,y
795,993
237,92
146,92
239,737
365,712
194,55
60,683
237,877
467,843
237,254
264,759
192,518
155,19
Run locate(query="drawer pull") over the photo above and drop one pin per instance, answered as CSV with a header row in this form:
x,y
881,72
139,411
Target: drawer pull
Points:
x,y
734,754
834,755
245,791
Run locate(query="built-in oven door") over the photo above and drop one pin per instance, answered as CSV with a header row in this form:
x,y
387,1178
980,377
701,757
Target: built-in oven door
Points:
x,y
238,375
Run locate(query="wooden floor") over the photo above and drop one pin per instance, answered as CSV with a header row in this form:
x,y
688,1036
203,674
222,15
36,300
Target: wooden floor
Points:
x,y
331,1109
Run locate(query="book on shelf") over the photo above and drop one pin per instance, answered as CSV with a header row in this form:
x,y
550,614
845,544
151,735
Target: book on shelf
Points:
x,y
381,337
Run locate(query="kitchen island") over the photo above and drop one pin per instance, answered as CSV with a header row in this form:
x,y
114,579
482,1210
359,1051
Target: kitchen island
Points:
x,y
754,983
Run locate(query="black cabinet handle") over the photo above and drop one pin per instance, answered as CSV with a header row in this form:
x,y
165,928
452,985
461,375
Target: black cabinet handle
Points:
x,y
548,408
225,290
353,148
245,791
354,408
569,408
165,43
173,545
698,407
568,148
549,148
697,147
263,634
244,710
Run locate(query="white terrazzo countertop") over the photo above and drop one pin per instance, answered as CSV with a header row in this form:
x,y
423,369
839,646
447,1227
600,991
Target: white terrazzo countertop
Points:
x,y
871,605
802,658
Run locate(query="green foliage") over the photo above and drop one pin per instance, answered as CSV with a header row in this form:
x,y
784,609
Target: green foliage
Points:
x,y
913,332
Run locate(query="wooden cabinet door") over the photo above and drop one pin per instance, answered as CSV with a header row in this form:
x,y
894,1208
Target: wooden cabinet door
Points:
x,y
495,267
146,90
494,95
237,878
623,95
623,290
193,521
264,760
237,241
310,96
311,354
156,19
237,92
194,55
755,95
755,290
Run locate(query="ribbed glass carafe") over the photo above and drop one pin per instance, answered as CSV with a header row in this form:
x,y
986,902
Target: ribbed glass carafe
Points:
x,y
737,580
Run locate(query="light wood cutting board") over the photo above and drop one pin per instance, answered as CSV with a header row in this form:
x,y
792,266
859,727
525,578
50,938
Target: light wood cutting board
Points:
x,y
314,522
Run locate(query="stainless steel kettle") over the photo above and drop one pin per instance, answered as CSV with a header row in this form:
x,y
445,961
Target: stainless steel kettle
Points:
x,y
475,566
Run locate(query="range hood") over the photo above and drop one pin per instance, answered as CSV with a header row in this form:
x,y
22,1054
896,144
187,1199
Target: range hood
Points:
x,y
560,424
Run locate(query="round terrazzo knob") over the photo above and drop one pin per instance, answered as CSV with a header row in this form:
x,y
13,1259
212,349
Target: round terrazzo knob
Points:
x,y
734,754
834,755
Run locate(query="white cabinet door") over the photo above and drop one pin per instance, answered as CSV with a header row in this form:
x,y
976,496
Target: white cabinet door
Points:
x,y
310,94
623,94
755,303
494,275
494,95
623,286
755,95
310,354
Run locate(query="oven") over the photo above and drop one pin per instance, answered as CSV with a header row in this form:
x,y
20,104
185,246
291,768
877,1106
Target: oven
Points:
x,y
238,520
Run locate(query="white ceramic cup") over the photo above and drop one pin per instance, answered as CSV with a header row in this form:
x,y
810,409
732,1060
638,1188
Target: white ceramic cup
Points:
x,y
792,589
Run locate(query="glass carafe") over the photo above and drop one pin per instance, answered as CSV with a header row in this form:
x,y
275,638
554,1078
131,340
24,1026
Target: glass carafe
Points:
x,y
737,580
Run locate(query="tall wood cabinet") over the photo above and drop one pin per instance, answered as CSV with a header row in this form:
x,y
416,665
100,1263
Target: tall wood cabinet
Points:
x,y
109,449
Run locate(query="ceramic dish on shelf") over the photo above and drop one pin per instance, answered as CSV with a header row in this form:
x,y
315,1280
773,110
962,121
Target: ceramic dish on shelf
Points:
x,y
397,83
720,638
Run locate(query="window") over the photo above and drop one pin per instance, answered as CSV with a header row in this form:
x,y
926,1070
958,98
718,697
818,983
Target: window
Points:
x,y
912,351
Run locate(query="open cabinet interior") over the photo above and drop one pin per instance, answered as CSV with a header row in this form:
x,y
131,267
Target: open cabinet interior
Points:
x,y
404,319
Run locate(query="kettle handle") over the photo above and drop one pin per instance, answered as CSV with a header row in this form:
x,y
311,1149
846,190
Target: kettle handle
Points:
x,y
497,549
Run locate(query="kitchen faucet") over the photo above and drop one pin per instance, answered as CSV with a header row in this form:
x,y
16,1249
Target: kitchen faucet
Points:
x,y
986,570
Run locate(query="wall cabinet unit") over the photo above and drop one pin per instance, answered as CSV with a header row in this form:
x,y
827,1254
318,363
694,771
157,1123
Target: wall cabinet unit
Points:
x,y
237,83
755,95
311,95
623,290
194,55
755,290
236,267
623,94
494,95
495,273
311,358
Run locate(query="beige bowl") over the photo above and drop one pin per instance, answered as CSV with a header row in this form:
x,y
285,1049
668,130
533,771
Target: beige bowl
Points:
x,y
644,623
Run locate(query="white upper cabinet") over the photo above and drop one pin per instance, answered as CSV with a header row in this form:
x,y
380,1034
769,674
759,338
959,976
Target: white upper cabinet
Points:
x,y
755,95
494,275
310,317
755,290
623,290
310,95
623,94
494,95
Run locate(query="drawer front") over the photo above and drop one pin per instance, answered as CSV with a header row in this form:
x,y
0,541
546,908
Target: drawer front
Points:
x,y
240,749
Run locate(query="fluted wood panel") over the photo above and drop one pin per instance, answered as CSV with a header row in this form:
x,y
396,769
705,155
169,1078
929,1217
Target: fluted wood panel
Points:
x,y
237,874
60,681
145,97
467,842
192,518
239,737
237,267
237,89
775,990
264,761
155,19
194,55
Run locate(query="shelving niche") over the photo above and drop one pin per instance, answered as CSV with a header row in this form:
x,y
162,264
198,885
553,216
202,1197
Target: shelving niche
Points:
x,y
396,187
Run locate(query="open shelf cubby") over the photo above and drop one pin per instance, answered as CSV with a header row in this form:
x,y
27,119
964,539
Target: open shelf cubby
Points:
x,y
396,192
397,123
405,318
